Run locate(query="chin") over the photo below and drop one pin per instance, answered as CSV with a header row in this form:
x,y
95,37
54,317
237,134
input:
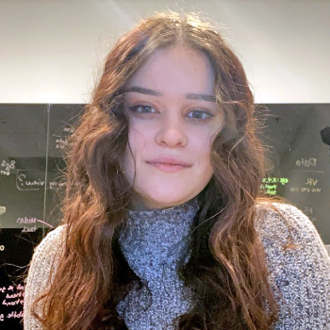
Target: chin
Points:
x,y
163,202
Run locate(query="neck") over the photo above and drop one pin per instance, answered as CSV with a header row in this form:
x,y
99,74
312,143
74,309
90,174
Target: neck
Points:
x,y
157,237
140,204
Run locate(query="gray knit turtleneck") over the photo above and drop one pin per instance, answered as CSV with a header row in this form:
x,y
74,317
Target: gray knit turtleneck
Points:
x,y
153,244
154,241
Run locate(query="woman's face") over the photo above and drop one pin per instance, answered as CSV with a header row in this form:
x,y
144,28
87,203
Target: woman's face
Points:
x,y
173,119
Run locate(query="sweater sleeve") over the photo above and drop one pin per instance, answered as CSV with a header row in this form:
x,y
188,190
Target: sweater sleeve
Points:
x,y
43,265
299,268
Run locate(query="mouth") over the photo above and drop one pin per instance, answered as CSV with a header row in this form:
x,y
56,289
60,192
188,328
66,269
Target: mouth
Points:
x,y
169,165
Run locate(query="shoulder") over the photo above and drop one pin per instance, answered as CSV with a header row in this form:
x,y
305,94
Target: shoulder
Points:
x,y
43,265
285,230
298,265
47,254
51,243
285,223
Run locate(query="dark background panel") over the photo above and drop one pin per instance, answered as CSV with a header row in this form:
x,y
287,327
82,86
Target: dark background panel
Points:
x,y
33,140
16,249
62,121
32,146
300,155
23,146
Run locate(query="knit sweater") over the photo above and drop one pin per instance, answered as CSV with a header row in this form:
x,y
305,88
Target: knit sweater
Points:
x,y
154,241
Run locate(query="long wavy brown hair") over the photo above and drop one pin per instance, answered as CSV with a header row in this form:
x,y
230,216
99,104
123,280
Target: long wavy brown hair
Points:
x,y
227,270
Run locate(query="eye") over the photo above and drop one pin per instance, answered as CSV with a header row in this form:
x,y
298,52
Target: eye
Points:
x,y
199,114
141,109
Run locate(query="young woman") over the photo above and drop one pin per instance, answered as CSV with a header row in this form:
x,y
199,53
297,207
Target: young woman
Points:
x,y
163,224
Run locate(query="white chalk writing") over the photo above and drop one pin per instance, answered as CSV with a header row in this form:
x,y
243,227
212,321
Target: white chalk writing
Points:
x,y
29,229
61,143
12,296
8,166
15,315
2,209
306,162
305,189
69,129
4,172
311,182
55,184
26,220
23,183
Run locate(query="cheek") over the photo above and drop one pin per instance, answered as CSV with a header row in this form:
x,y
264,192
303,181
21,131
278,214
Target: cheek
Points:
x,y
128,166
133,154
137,141
201,146
202,153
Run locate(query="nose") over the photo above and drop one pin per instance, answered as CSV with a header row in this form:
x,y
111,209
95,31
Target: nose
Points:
x,y
171,133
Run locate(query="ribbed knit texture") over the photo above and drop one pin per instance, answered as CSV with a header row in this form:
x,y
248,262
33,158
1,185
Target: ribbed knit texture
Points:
x,y
301,271
154,241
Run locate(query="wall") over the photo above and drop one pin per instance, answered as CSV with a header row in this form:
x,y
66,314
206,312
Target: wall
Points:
x,y
52,50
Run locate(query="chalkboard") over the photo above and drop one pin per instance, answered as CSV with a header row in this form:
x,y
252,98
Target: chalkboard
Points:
x,y
16,249
32,141
300,154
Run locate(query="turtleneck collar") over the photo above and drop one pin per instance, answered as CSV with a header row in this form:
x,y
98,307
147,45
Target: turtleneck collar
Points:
x,y
154,239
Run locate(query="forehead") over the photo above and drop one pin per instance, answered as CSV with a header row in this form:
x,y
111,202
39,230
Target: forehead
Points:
x,y
175,70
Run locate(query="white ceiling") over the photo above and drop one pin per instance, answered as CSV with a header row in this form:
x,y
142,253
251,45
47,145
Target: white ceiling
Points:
x,y
52,51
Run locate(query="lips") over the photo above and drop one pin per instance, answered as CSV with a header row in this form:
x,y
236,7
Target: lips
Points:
x,y
169,164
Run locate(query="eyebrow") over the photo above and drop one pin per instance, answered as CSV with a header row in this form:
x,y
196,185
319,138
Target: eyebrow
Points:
x,y
202,97
143,90
190,96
